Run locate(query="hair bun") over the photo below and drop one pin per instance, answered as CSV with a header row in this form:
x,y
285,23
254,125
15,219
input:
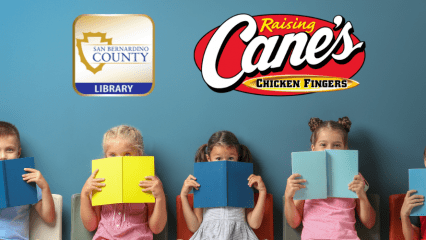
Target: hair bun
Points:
x,y
346,123
314,123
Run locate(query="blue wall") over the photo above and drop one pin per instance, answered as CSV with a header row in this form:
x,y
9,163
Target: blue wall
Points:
x,y
63,130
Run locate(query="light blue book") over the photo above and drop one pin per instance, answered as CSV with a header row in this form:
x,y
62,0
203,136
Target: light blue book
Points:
x,y
327,173
342,166
417,181
312,166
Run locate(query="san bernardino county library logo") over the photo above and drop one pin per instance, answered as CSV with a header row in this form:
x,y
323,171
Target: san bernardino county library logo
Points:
x,y
280,55
113,55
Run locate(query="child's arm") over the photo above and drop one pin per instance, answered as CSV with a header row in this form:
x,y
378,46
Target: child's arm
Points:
x,y
410,231
365,211
255,216
293,208
90,216
45,207
158,219
194,218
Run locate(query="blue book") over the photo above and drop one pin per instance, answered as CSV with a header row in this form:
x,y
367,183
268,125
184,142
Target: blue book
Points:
x,y
13,190
417,181
327,173
223,183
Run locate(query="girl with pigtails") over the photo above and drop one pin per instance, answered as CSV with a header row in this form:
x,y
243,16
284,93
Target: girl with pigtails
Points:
x,y
223,222
331,218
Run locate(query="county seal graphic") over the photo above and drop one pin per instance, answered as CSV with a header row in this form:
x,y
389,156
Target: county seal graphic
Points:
x,y
113,55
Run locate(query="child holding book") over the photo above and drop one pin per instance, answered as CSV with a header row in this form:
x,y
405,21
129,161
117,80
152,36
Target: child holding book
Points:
x,y
14,221
413,227
123,220
331,218
223,222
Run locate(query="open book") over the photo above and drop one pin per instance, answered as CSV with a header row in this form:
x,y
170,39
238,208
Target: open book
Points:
x,y
122,176
328,173
417,181
13,190
223,183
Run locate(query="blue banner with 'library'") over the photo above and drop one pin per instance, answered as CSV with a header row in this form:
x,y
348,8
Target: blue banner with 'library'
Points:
x,y
113,88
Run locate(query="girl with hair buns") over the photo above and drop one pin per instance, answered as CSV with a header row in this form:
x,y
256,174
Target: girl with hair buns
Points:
x,y
123,220
223,222
331,218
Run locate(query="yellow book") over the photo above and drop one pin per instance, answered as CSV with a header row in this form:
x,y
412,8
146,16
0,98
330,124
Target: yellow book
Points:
x,y
122,176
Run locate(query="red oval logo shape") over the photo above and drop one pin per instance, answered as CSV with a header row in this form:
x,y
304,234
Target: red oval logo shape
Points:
x,y
245,48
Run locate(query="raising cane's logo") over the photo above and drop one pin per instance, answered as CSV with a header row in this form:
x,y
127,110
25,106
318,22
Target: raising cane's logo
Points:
x,y
280,55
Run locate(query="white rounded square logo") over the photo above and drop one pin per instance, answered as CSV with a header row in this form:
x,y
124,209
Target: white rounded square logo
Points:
x,y
113,55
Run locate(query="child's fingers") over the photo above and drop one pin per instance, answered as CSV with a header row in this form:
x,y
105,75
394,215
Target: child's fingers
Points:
x,y
299,186
30,169
28,174
250,182
355,186
415,197
28,177
145,184
415,205
150,178
194,183
149,189
252,175
410,192
357,177
298,181
415,200
293,176
93,175
99,184
99,179
190,177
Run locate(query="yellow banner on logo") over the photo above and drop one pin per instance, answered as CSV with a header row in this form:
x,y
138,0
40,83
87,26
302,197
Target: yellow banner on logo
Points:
x,y
300,83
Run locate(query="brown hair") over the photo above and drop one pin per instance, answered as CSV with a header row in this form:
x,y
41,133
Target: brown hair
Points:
x,y
126,132
8,129
424,153
343,125
223,138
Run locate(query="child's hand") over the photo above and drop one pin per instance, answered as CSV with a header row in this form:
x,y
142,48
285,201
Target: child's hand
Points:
x,y
93,184
293,185
154,185
35,176
188,185
357,186
257,182
410,202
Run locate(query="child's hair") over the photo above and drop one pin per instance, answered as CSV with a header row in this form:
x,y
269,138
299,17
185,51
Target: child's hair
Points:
x,y
126,132
424,154
343,125
223,138
8,129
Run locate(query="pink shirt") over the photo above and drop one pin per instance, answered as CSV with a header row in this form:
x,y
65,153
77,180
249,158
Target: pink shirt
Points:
x,y
331,218
124,221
